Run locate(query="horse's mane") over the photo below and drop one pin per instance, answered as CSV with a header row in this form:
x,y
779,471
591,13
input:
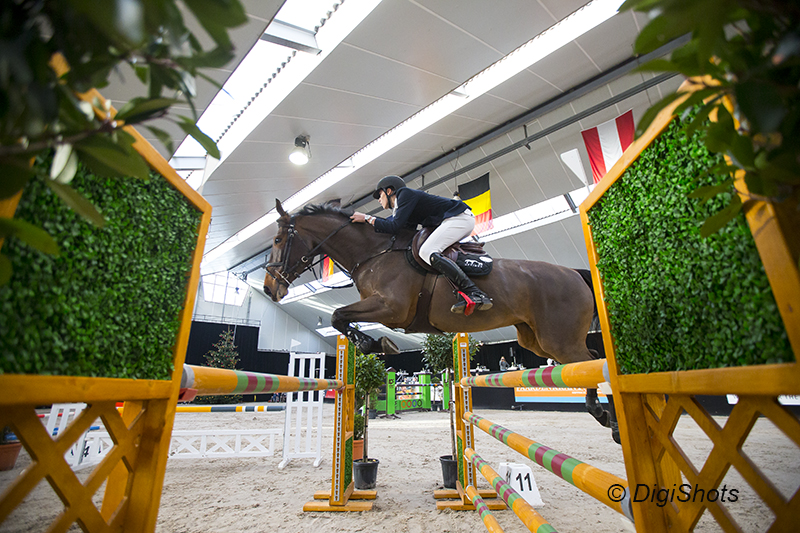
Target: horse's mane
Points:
x,y
328,208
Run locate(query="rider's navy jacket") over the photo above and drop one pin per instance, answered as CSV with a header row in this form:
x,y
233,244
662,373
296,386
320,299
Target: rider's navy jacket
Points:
x,y
418,207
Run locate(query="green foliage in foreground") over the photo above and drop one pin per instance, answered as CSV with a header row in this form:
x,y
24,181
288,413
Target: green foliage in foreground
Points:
x,y
677,300
108,304
750,51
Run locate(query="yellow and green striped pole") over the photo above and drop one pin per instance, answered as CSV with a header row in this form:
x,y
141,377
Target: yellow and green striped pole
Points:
x,y
527,514
483,510
213,381
593,481
586,374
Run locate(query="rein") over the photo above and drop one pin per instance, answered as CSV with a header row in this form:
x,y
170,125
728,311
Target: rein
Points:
x,y
389,249
304,259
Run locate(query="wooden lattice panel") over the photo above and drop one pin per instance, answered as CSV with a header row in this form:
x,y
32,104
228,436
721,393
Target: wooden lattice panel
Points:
x,y
48,463
655,457
727,441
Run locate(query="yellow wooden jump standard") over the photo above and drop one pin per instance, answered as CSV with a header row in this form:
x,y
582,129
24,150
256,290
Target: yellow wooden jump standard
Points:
x,y
342,492
464,439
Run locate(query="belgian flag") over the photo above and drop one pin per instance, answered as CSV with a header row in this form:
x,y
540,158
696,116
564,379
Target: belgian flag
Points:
x,y
327,268
477,196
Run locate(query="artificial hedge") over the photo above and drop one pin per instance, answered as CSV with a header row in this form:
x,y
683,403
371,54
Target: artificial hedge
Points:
x,y
676,300
109,304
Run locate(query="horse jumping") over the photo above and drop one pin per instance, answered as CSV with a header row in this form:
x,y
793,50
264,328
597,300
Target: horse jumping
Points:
x,y
550,306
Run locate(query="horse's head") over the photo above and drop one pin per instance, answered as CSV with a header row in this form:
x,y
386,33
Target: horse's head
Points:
x,y
282,258
292,254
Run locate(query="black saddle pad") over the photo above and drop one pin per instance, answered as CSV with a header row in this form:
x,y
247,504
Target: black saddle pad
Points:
x,y
471,264
475,264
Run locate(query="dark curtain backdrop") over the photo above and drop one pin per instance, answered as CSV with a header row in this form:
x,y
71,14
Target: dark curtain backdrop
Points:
x,y
488,356
204,335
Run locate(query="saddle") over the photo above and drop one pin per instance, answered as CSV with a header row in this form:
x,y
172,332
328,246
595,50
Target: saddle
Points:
x,y
470,256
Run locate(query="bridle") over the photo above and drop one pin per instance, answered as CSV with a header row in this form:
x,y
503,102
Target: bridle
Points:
x,y
306,260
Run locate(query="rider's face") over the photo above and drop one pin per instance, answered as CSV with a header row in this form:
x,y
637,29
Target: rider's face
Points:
x,y
385,203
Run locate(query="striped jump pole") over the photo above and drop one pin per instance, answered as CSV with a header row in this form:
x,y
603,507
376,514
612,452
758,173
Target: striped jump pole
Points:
x,y
527,514
229,408
213,381
586,374
483,510
593,481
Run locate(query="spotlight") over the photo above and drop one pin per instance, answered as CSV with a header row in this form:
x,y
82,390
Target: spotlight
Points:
x,y
301,152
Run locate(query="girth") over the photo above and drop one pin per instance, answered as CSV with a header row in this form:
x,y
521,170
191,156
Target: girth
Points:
x,y
421,321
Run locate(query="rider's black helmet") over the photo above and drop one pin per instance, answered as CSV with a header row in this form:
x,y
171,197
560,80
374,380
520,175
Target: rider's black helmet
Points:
x,y
395,182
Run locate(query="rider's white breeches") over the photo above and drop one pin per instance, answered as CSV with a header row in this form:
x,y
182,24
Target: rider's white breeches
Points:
x,y
450,231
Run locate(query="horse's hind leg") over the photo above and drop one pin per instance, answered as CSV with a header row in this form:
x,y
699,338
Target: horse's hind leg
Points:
x,y
527,339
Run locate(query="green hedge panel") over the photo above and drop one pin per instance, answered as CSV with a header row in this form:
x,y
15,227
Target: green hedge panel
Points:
x,y
109,304
676,300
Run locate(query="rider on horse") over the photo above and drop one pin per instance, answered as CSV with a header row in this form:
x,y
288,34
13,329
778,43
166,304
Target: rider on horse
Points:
x,y
453,221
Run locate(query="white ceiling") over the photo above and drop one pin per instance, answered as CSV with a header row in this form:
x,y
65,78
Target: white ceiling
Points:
x,y
405,55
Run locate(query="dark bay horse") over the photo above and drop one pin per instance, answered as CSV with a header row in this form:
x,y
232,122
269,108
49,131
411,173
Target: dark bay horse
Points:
x,y
550,306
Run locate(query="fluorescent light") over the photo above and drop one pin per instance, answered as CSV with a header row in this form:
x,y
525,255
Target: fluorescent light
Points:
x,y
565,31
269,72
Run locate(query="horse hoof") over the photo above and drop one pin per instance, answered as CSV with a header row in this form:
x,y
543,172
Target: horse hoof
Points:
x,y
605,420
389,347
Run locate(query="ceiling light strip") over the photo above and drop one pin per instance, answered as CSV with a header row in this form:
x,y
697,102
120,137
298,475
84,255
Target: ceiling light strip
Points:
x,y
287,69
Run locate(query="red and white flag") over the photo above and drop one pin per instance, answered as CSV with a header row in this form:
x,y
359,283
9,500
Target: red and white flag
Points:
x,y
606,142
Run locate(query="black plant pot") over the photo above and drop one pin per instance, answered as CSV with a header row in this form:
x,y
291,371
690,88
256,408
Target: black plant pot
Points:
x,y
365,473
373,414
449,471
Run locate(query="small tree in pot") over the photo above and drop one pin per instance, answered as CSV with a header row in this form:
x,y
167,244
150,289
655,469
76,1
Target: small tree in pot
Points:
x,y
370,377
9,449
437,354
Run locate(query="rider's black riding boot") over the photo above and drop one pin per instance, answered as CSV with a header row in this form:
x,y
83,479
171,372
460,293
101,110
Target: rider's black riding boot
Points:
x,y
465,285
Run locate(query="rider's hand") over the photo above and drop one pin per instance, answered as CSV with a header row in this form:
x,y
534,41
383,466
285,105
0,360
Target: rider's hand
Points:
x,y
358,217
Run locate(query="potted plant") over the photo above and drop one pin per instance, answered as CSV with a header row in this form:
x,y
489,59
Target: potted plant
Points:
x,y
9,449
437,354
370,377
358,437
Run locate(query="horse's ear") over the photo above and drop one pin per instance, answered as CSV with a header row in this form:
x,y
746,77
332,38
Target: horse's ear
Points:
x,y
279,207
336,202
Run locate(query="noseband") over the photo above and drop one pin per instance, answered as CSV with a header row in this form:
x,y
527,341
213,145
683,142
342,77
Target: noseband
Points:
x,y
305,260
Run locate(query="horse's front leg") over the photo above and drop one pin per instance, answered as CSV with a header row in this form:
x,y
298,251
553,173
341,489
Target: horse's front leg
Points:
x,y
372,309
